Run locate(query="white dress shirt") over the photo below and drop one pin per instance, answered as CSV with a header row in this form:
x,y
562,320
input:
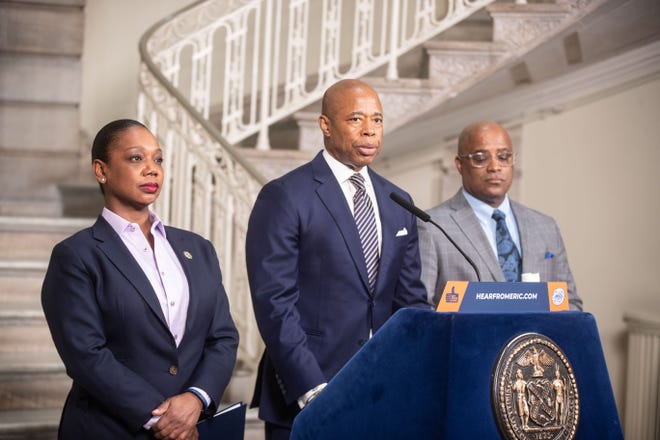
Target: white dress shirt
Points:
x,y
165,274
343,173
484,213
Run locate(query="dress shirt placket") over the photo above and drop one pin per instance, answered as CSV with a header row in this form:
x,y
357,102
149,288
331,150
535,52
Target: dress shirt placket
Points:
x,y
174,287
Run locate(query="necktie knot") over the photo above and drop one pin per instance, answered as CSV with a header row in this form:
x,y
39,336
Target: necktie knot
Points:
x,y
358,180
498,215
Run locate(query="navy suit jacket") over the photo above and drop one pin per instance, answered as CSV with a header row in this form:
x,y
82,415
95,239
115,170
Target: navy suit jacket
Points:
x,y
309,284
110,331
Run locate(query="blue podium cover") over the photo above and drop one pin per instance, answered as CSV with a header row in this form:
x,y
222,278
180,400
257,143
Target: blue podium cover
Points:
x,y
428,375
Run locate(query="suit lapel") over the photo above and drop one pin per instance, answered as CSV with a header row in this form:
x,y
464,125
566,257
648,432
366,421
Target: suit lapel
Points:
x,y
112,246
333,199
388,226
527,241
467,222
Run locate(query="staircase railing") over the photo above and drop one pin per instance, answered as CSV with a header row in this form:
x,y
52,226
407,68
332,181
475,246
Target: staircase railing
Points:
x,y
221,72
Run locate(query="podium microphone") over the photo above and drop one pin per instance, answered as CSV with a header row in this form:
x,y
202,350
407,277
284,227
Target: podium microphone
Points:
x,y
423,216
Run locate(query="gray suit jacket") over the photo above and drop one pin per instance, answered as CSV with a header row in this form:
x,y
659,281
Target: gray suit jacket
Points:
x,y
543,249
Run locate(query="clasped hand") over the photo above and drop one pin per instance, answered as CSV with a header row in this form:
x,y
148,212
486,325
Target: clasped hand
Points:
x,y
178,418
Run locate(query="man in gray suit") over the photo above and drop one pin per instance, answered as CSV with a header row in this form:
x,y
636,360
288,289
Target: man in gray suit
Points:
x,y
485,162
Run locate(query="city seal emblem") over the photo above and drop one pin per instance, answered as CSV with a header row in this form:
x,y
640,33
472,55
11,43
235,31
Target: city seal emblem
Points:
x,y
534,393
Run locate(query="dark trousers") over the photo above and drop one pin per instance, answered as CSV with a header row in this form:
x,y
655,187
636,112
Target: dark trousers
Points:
x,y
277,432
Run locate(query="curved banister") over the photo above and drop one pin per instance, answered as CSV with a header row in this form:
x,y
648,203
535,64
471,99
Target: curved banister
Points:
x,y
153,69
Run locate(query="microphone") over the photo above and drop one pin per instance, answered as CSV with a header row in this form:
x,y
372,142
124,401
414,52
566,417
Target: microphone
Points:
x,y
426,218
412,208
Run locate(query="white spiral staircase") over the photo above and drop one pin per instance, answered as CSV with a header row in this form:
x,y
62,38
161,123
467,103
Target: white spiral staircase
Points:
x,y
231,88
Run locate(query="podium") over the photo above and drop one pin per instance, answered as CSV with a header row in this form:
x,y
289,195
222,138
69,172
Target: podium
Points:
x,y
428,375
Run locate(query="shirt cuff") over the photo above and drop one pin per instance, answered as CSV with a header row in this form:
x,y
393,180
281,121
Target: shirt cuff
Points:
x,y
202,395
309,395
152,421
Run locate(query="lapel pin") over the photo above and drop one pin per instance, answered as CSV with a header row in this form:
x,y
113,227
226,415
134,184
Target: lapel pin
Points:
x,y
187,254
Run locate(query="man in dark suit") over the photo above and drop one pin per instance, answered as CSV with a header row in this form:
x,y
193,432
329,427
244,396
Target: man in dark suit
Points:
x,y
485,162
322,280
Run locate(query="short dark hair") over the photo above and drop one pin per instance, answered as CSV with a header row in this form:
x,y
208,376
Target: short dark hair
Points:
x,y
108,134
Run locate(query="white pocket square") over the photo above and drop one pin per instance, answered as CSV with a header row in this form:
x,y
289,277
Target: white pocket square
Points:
x,y
401,232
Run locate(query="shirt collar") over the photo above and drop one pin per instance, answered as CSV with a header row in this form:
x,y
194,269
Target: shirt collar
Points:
x,y
119,224
341,172
483,209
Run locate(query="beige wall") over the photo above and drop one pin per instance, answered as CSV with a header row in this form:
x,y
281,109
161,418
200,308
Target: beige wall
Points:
x,y
594,169
110,56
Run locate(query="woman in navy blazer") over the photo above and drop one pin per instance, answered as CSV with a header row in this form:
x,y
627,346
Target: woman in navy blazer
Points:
x,y
136,309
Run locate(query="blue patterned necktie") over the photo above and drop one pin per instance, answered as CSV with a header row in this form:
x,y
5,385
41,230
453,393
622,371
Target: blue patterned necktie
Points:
x,y
507,253
366,224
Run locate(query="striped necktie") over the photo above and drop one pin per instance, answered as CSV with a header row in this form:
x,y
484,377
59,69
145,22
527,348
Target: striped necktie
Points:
x,y
366,225
507,253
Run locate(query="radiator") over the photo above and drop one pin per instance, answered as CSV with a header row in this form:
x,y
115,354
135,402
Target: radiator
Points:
x,y
642,404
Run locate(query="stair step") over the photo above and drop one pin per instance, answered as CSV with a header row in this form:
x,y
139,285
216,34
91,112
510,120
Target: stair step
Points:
x,y
24,176
23,325
32,381
20,284
39,126
13,316
32,238
275,163
477,27
11,205
452,62
81,199
405,98
60,28
520,24
24,331
29,424
37,362
41,78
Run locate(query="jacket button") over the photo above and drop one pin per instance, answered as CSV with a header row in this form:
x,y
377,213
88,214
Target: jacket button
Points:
x,y
174,370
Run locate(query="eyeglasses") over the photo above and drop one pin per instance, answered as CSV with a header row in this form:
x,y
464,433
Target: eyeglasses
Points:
x,y
480,159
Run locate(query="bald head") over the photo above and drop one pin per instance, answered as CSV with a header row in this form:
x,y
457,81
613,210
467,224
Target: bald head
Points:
x,y
338,91
475,132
